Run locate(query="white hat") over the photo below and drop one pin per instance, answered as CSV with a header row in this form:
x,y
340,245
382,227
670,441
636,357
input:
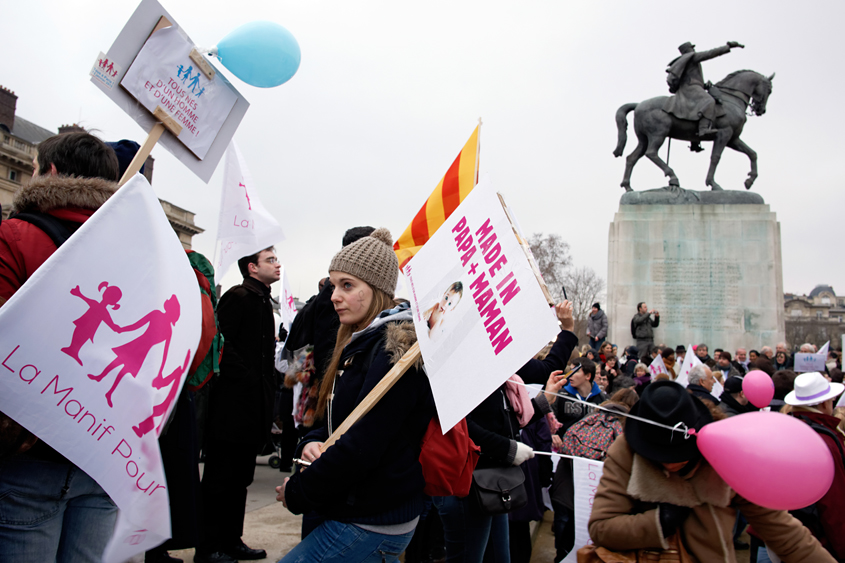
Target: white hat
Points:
x,y
813,388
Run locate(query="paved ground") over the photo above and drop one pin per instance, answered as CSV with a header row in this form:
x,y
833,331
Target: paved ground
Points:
x,y
270,526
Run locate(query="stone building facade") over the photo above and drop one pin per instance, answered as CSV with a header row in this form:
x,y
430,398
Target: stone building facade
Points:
x,y
19,140
815,318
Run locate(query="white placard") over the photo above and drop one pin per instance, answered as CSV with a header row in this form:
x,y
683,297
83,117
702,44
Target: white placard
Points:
x,y
123,51
244,226
586,474
479,312
100,378
805,362
163,75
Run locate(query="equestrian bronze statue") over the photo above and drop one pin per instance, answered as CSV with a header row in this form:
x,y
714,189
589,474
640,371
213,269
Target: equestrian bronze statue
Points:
x,y
697,112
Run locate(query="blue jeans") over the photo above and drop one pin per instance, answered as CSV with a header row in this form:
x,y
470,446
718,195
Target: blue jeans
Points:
x,y
467,529
335,541
52,512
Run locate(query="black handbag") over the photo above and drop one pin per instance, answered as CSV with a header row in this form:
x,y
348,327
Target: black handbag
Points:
x,y
499,490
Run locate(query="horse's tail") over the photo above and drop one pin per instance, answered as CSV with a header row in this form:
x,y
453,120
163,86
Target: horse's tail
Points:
x,y
622,127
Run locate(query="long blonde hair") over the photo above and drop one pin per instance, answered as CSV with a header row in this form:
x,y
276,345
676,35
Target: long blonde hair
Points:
x,y
380,302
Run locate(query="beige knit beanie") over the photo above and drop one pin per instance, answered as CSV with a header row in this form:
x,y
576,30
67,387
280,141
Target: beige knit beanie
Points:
x,y
372,259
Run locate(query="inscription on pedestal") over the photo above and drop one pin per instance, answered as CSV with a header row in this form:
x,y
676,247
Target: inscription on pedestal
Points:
x,y
698,294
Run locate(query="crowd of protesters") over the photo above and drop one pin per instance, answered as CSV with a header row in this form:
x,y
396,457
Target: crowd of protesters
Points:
x,y
363,498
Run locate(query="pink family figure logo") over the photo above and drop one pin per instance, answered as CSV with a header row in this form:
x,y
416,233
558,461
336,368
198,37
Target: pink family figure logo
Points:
x,y
130,356
160,382
90,321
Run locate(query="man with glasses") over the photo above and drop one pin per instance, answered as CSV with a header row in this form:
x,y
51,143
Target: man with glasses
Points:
x,y
240,408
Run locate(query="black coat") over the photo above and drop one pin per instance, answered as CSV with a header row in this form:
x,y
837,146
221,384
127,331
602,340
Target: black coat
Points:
x,y
493,424
241,399
372,474
316,324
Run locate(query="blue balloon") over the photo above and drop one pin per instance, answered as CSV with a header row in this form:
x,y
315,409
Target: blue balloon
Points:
x,y
261,53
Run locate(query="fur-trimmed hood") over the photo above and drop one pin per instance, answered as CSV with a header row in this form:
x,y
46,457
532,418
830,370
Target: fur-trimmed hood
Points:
x,y
46,193
399,337
650,483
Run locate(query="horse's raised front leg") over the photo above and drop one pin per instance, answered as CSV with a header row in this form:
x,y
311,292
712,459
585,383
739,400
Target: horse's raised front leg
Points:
x,y
654,144
740,146
629,165
722,138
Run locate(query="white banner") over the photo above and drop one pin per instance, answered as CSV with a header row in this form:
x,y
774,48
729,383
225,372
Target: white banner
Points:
x,y
586,474
245,226
118,299
690,361
657,366
479,312
163,75
287,306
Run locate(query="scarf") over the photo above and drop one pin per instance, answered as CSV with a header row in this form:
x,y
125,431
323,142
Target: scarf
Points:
x,y
519,400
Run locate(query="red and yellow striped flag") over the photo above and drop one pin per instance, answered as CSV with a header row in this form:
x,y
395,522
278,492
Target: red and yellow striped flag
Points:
x,y
449,193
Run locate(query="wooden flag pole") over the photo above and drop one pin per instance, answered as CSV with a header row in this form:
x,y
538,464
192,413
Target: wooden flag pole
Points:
x,y
165,121
374,396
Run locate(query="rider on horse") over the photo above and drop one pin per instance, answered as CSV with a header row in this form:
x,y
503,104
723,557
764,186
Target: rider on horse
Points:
x,y
686,80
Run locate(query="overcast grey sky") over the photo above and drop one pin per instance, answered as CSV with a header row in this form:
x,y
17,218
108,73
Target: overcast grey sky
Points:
x,y
388,92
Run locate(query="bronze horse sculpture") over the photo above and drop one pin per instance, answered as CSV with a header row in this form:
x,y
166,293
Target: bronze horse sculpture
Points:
x,y
652,125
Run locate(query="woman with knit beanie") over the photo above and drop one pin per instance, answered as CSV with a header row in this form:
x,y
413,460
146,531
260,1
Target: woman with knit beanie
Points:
x,y
368,486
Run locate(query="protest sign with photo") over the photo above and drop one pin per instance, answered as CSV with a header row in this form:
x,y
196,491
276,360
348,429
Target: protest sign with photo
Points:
x,y
124,51
115,309
479,311
163,75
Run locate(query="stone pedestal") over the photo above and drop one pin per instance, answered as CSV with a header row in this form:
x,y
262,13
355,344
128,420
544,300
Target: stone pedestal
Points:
x,y
713,271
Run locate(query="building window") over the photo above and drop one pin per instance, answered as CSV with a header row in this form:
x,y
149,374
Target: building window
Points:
x,y
825,300
819,314
796,312
14,175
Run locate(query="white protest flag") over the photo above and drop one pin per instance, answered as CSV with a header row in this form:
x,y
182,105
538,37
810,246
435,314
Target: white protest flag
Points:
x,y
287,306
586,475
142,302
690,361
479,312
824,349
657,366
245,226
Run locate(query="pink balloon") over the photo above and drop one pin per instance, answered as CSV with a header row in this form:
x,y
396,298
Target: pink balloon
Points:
x,y
770,459
759,388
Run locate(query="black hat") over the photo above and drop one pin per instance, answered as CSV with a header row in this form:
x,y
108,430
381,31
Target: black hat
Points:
x,y
733,384
680,348
597,306
125,151
668,403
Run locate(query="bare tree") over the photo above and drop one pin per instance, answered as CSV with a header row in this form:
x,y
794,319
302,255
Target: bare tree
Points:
x,y
552,255
583,287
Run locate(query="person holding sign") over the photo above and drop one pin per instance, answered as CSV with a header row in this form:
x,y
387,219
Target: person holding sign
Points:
x,y
657,492
368,486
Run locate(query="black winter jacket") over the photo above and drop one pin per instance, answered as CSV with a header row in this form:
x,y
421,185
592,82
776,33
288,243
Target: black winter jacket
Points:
x,y
372,474
241,399
493,424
